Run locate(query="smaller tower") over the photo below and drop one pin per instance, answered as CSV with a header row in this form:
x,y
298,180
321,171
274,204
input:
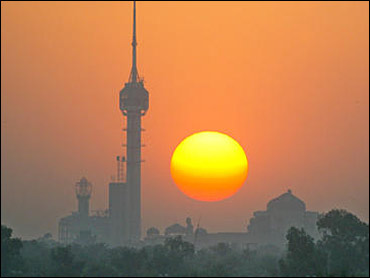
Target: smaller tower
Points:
x,y
83,194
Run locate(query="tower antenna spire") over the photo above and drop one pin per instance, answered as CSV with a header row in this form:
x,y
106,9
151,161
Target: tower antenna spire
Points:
x,y
134,74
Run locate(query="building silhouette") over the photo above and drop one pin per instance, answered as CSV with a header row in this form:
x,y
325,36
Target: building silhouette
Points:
x,y
266,228
121,223
283,212
81,226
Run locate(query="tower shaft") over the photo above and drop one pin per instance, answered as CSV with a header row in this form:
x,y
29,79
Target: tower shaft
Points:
x,y
133,153
83,194
83,211
83,206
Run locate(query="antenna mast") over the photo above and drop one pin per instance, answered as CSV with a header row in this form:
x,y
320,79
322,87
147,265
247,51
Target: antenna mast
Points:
x,y
134,74
196,231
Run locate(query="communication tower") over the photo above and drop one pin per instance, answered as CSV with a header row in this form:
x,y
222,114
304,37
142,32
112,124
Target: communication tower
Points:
x,y
134,103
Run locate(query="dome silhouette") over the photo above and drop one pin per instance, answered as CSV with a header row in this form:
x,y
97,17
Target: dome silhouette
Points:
x,y
286,201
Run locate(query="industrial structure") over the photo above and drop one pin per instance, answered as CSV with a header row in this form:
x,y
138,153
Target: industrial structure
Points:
x,y
80,226
121,223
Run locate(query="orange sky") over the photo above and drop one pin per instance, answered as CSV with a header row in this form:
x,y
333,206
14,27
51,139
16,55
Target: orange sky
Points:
x,y
288,80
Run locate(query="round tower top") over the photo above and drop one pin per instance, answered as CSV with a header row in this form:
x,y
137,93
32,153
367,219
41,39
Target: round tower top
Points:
x,y
83,188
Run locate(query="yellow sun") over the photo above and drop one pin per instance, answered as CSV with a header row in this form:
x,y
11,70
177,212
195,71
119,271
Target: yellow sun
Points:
x,y
209,166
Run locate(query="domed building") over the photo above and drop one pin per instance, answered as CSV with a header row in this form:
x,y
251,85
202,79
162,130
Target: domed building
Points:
x,y
266,229
177,229
283,212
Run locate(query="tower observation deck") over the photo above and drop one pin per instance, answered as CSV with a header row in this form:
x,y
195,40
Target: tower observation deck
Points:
x,y
134,103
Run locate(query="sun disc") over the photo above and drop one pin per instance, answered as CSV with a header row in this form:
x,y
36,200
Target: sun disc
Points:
x,y
209,166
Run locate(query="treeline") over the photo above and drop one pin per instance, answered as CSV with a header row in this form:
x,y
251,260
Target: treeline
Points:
x,y
343,250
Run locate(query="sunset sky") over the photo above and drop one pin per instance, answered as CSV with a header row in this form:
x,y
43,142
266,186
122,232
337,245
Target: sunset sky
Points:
x,y
288,80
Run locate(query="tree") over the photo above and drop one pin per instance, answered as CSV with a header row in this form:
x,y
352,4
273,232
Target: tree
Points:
x,y
346,243
303,258
152,232
221,249
178,246
10,253
170,258
65,264
36,257
128,261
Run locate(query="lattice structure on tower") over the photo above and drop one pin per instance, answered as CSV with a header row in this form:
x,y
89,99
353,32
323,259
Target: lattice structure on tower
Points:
x,y
121,173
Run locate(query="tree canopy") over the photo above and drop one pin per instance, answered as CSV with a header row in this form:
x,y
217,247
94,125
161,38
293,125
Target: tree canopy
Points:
x,y
343,250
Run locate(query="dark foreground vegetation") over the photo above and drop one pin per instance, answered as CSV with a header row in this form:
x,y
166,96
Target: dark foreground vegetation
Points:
x,y
343,250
